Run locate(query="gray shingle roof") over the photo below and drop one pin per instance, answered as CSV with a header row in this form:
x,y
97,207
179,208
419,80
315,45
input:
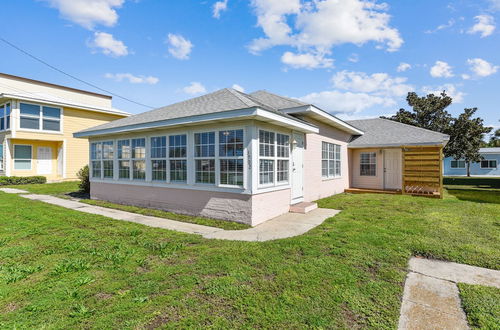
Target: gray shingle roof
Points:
x,y
385,132
276,101
219,101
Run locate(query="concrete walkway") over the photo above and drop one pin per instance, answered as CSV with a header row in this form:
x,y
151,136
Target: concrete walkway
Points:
x,y
431,299
284,226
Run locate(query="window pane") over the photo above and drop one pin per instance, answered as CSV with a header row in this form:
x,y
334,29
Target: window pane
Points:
x,y
96,150
159,170
139,169
22,152
282,173
231,143
51,112
51,125
205,171
138,148
204,144
124,169
30,123
266,143
96,169
7,116
22,164
368,164
231,172
178,171
283,149
123,149
266,171
107,150
159,147
30,109
177,146
108,168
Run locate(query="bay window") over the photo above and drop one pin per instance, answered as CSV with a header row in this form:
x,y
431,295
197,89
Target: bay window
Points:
x,y
95,159
204,153
159,158
177,153
266,157
42,118
368,164
231,157
101,159
139,159
107,159
330,160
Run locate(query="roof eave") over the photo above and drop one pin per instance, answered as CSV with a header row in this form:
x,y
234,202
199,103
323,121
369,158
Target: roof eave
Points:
x,y
384,145
239,114
323,115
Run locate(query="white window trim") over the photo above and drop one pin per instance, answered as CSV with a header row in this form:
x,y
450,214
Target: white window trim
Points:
x,y
3,116
214,158
146,159
489,167
275,158
117,161
375,163
169,178
14,157
334,159
457,167
151,158
219,157
40,119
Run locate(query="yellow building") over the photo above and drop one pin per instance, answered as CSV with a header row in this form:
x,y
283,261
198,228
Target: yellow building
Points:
x,y
37,122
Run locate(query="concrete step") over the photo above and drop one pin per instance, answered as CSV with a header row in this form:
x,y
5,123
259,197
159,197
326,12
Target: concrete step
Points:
x,y
303,207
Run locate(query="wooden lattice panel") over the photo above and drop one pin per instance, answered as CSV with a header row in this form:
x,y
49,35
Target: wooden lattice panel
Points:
x,y
422,171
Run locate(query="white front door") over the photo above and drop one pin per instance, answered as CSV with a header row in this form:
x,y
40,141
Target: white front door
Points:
x,y
392,169
44,160
297,167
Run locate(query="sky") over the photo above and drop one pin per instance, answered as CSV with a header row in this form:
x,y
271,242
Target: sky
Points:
x,y
355,59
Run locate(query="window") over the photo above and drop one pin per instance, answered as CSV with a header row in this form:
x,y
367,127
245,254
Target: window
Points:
x,y
204,153
177,151
4,116
331,164
231,157
266,157
489,163
101,159
283,154
124,155
368,164
457,164
159,158
22,157
138,159
37,117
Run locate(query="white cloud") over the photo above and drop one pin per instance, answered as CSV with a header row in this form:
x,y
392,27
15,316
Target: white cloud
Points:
x,y
485,25
449,24
381,84
441,70
194,88
481,68
306,60
88,13
320,25
356,91
108,45
494,5
402,67
219,7
150,80
179,47
238,88
354,58
451,90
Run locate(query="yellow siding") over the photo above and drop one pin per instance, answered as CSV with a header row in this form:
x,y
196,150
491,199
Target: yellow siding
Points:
x,y
77,150
34,151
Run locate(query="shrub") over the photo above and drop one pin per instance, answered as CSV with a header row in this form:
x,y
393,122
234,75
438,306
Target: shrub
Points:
x,y
16,180
83,175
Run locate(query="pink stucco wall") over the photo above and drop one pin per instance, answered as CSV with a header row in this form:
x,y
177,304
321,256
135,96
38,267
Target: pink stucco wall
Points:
x,y
315,187
268,205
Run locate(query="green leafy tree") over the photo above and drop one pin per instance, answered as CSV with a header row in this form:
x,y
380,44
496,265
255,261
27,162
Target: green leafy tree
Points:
x,y
494,139
467,135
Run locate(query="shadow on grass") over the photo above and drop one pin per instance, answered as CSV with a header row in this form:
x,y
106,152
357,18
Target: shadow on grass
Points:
x,y
475,195
473,182
79,195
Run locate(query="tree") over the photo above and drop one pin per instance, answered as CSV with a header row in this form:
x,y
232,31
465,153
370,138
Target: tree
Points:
x,y
494,139
466,136
428,112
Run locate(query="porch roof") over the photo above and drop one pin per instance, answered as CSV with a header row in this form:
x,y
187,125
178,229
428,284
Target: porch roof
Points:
x,y
388,133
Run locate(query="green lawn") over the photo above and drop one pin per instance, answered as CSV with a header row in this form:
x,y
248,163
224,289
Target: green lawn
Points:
x,y
63,269
482,305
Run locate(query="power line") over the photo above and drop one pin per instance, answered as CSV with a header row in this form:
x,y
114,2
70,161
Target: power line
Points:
x,y
71,76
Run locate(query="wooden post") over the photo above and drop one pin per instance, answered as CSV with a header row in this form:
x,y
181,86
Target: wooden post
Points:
x,y
441,173
403,191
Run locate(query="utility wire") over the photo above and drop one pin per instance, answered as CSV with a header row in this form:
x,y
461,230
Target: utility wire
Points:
x,y
71,76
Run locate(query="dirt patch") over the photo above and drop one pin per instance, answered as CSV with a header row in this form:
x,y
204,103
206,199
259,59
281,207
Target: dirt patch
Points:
x,y
351,319
11,307
168,316
103,296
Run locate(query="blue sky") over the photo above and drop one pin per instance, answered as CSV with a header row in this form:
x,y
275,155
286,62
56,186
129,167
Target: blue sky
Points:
x,y
353,58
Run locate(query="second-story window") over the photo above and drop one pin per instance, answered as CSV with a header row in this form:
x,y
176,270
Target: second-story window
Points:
x,y
42,118
5,116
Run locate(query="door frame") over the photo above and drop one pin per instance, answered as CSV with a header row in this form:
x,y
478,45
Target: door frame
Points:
x,y
38,160
297,199
399,158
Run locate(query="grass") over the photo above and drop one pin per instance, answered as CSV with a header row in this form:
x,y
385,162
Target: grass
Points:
x,y
69,189
481,305
460,182
65,269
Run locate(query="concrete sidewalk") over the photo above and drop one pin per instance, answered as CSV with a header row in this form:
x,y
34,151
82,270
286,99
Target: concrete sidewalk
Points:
x,y
284,226
431,298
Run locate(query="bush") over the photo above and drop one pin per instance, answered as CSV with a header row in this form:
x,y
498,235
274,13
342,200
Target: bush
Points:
x,y
83,175
17,180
